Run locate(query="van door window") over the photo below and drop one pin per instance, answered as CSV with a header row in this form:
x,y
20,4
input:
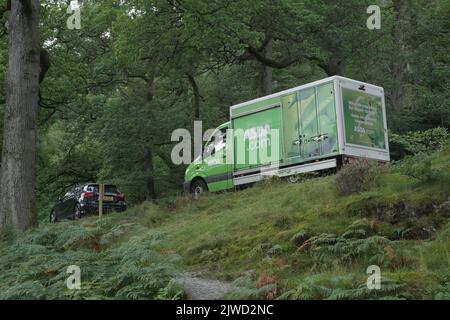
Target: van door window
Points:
x,y
209,148
221,140
216,143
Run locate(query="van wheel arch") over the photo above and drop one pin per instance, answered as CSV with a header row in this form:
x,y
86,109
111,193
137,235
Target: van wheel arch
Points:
x,y
198,182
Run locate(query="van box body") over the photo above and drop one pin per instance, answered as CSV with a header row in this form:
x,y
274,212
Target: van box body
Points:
x,y
307,128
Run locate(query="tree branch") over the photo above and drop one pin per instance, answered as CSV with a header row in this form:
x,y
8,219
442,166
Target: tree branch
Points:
x,y
270,62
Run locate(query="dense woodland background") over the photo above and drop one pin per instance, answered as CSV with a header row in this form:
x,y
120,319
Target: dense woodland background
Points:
x,y
138,69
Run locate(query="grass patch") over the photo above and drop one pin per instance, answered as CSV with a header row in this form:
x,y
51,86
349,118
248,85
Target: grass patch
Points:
x,y
274,240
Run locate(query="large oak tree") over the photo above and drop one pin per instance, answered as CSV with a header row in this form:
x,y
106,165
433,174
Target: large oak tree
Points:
x,y
18,171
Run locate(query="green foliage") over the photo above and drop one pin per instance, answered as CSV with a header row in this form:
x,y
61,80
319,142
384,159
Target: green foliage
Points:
x,y
173,291
232,234
412,143
117,89
361,229
418,167
116,261
307,243
330,250
300,237
435,255
430,280
346,287
244,289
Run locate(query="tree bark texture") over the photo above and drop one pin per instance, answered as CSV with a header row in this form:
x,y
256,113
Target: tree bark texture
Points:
x,y
18,170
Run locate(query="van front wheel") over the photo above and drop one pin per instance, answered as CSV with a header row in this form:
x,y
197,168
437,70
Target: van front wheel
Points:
x,y
198,187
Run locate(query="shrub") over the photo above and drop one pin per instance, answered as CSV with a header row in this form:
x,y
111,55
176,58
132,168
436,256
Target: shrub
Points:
x,y
418,167
357,176
416,142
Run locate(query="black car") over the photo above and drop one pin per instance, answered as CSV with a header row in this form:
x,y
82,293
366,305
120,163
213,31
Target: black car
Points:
x,y
83,200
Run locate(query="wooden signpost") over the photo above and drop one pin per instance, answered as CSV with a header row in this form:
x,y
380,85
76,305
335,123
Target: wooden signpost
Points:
x,y
101,194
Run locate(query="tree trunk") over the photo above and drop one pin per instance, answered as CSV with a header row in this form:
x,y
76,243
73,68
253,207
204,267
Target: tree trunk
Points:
x,y
148,163
265,72
196,97
399,65
18,170
336,67
149,171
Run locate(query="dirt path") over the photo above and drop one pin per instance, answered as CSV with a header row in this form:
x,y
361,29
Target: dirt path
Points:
x,y
198,288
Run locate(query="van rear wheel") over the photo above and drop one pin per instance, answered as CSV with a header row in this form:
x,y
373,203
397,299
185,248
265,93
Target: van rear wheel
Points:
x,y
198,187
293,178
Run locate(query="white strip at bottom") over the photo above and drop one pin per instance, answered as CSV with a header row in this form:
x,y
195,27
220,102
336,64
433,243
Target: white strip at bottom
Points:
x,y
268,171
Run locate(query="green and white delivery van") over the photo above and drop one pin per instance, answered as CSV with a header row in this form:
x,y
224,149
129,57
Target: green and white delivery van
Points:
x,y
313,127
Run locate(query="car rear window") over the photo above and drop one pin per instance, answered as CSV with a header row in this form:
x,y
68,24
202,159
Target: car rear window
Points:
x,y
109,188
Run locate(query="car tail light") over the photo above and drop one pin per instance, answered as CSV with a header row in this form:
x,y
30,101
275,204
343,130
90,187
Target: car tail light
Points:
x,y
87,195
121,196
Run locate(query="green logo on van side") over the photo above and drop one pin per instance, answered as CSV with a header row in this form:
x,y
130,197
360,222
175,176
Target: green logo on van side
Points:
x,y
363,117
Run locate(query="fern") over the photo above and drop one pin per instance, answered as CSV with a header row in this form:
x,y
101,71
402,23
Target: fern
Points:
x,y
34,265
347,287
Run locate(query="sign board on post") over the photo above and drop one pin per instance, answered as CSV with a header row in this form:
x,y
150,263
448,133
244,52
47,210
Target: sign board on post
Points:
x,y
100,199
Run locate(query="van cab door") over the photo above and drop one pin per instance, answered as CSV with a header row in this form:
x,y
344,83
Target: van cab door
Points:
x,y
217,171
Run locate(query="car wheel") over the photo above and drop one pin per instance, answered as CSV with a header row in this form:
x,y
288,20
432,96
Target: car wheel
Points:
x,y
53,217
198,187
293,179
77,212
